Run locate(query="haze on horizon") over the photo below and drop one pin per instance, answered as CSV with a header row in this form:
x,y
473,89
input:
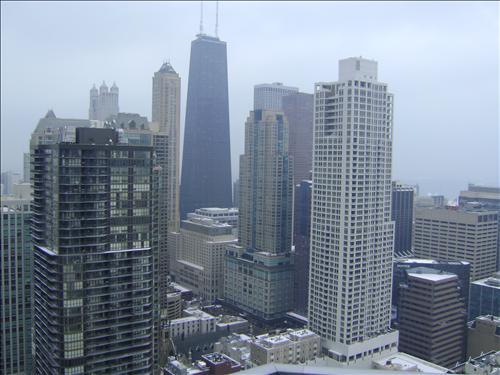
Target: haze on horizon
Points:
x,y
441,60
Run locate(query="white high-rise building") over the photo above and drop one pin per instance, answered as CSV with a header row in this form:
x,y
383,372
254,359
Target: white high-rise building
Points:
x,y
269,96
351,229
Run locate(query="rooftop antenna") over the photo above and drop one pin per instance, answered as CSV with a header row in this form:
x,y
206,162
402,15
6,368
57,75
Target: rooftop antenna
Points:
x,y
217,19
201,17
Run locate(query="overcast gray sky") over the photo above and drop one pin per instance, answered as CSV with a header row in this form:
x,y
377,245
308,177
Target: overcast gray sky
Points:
x,y
439,59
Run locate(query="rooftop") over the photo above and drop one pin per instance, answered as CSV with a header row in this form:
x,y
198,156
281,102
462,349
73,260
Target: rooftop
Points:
x,y
406,362
491,282
433,276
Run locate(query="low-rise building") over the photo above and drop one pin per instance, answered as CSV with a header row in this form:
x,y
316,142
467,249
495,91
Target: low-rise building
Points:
x,y
213,363
231,323
485,364
195,322
483,335
407,363
237,346
294,346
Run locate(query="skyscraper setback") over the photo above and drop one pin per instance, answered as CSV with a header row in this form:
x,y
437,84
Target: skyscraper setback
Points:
x,y
351,228
206,161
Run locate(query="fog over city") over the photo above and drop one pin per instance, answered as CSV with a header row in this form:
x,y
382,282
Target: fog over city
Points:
x,y
441,61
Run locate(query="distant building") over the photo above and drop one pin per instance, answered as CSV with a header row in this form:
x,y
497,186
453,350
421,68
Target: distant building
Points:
x,y
166,110
206,161
298,108
26,167
294,346
236,193
103,103
259,272
486,197
15,287
404,265
221,215
455,234
485,297
301,239
269,96
194,322
432,317
483,335
9,179
402,215
199,256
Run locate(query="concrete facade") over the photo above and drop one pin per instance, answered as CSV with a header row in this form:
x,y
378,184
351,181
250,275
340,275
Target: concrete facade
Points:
x,y
483,335
455,234
103,103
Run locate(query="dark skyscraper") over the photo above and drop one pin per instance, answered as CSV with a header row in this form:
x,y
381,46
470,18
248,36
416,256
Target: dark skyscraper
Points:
x,y
94,256
206,160
301,239
402,214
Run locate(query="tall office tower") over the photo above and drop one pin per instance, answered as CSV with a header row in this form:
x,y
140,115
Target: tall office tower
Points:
x,y
269,96
259,272
485,197
199,255
351,229
432,317
402,215
94,259
15,287
485,297
298,108
9,179
103,103
166,113
26,167
206,160
453,234
404,265
302,242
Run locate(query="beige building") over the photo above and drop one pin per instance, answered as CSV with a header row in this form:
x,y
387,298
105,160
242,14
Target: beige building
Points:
x,y
294,346
198,255
194,322
166,114
453,234
483,335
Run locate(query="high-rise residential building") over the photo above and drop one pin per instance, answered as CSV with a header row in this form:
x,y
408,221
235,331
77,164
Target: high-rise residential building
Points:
x,y
199,256
404,265
454,234
432,317
302,241
166,113
486,197
402,215
269,96
483,335
485,297
26,167
206,160
94,248
351,229
103,103
15,287
259,272
298,108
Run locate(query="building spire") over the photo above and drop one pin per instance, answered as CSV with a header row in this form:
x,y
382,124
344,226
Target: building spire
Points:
x,y
217,19
201,17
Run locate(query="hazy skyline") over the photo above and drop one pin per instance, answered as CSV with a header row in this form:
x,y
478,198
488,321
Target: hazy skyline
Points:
x,y
439,59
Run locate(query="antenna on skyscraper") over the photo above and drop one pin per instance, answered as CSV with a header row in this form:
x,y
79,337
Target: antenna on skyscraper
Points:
x,y
217,19
201,17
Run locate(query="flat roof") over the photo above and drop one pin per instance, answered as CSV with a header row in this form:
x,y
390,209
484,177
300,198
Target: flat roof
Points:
x,y
433,276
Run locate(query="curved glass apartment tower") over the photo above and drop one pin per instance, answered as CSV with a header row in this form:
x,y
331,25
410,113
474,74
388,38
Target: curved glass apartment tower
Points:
x,y
206,159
